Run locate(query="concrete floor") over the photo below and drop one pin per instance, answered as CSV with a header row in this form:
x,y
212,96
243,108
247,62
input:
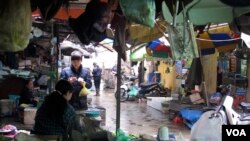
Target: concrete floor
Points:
x,y
136,118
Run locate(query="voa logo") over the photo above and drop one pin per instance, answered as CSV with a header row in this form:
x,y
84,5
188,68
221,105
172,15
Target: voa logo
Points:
x,y
236,132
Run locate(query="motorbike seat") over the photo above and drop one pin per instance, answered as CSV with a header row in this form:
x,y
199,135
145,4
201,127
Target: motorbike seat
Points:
x,y
146,85
132,78
245,105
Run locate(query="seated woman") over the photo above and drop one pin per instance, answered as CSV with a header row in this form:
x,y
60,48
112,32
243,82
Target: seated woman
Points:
x,y
27,96
56,116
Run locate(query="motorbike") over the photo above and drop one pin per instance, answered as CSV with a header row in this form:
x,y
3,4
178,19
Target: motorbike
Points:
x,y
223,114
128,88
153,89
229,115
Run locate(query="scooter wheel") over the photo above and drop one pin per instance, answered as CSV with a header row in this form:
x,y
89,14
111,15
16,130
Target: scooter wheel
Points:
x,y
123,95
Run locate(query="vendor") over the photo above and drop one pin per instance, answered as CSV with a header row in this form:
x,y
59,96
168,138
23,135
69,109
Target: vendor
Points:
x,y
27,96
76,74
56,116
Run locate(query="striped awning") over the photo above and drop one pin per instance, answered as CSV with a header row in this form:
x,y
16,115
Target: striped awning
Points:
x,y
221,39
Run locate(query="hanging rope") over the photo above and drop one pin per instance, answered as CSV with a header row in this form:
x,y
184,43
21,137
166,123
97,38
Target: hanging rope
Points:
x,y
227,40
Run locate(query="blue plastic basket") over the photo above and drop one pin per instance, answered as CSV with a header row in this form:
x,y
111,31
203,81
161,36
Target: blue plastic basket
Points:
x,y
92,113
15,99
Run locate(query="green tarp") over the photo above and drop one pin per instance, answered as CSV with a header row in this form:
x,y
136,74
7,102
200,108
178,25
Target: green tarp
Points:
x,y
202,12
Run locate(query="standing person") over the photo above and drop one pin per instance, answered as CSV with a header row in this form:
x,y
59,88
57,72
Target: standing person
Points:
x,y
76,74
97,75
27,96
114,69
56,116
114,76
141,71
219,76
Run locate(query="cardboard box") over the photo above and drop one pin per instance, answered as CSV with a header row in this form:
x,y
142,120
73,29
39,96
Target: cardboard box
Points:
x,y
196,98
24,63
29,116
156,102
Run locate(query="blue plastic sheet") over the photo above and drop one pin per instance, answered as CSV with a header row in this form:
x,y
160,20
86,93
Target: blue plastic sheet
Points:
x,y
190,115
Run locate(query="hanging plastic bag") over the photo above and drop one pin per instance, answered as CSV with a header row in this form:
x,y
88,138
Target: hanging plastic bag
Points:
x,y
84,91
49,8
141,12
91,25
15,23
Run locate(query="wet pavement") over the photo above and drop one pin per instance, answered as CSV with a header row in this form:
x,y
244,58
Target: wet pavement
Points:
x,y
136,118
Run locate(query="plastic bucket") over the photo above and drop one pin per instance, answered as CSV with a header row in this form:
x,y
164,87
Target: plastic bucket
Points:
x,y
15,100
6,107
102,114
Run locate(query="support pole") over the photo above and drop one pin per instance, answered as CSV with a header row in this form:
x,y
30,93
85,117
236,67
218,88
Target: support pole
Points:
x,y
54,55
248,79
118,103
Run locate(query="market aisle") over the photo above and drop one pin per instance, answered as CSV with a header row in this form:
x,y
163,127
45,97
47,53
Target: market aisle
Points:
x,y
136,118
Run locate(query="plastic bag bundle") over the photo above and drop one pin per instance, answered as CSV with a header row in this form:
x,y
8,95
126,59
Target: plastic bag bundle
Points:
x,y
84,91
91,25
15,23
141,12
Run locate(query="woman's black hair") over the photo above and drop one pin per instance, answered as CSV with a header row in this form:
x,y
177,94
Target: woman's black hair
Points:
x,y
55,104
26,81
63,86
